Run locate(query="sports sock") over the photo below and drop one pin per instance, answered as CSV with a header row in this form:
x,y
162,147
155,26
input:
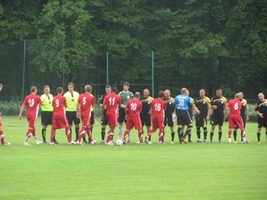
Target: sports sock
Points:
x,y
29,133
81,134
77,133
150,133
161,136
149,138
103,133
52,135
259,136
129,136
2,137
35,138
220,135
198,132
189,137
110,137
172,136
89,133
180,134
211,135
229,133
140,134
205,132
120,131
44,134
243,135
84,139
68,134
235,134
187,132
125,135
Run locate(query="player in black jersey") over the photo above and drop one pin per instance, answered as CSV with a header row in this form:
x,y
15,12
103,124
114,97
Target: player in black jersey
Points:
x,y
104,120
218,105
145,115
202,114
169,112
261,110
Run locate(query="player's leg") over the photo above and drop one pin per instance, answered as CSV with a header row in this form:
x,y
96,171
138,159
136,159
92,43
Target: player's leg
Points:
x,y
172,134
148,127
260,125
220,123
198,125
112,120
81,134
77,125
120,120
104,123
161,135
2,136
154,128
213,123
235,134
140,135
231,126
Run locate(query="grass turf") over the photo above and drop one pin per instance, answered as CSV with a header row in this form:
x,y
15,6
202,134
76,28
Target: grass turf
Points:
x,y
193,171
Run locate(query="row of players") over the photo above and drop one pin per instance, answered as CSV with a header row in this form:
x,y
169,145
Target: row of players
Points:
x,y
201,108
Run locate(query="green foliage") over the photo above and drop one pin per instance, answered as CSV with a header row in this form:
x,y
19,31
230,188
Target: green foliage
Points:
x,y
10,108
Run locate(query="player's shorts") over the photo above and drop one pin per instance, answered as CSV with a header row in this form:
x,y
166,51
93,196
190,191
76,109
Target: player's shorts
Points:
x,y
262,122
157,124
217,120
104,121
112,119
146,120
46,118
133,122
235,121
121,115
71,116
168,120
92,118
201,121
31,122
58,123
183,117
86,121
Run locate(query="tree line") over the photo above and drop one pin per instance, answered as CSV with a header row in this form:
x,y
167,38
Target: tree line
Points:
x,y
206,44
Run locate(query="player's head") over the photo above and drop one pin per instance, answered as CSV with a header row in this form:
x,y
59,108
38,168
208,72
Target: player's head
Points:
x,y
60,90
167,93
46,89
237,96
70,86
184,91
160,94
146,92
1,86
126,86
114,89
241,95
137,95
219,92
88,88
261,96
33,89
202,93
108,89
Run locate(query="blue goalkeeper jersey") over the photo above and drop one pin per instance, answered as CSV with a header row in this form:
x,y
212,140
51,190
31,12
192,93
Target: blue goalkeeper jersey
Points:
x,y
182,102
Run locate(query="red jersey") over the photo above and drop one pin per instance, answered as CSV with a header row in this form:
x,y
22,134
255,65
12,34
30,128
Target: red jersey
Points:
x,y
86,102
59,104
134,107
235,106
32,102
158,107
112,102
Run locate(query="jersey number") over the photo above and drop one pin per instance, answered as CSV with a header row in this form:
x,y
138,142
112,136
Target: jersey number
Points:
x,y
157,107
31,102
57,103
236,106
84,100
111,101
133,106
181,102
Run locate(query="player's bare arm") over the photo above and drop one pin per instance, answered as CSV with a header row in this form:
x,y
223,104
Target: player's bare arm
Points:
x,y
21,110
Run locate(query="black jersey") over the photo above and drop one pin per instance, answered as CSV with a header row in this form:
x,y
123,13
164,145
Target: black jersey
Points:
x,y
220,103
146,102
244,108
169,106
261,106
203,104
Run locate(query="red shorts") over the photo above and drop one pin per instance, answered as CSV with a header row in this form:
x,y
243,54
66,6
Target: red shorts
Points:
x,y
235,120
157,124
31,122
112,119
133,122
86,121
58,123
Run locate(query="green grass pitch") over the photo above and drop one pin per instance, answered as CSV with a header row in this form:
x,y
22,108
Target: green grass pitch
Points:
x,y
193,171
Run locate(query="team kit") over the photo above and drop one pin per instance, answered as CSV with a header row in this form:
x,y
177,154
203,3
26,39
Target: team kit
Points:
x,y
143,113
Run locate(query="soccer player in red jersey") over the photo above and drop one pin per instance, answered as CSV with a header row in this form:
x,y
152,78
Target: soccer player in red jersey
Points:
x,y
2,137
59,119
158,107
111,104
133,109
32,101
85,104
235,119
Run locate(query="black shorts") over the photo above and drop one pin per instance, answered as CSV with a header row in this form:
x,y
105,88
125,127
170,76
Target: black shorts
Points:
x,y
46,118
201,121
92,117
104,121
217,120
71,116
168,120
146,120
262,122
121,115
183,117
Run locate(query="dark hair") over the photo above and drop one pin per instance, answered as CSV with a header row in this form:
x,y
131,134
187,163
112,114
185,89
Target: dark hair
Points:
x,y
108,86
59,90
114,89
161,94
33,89
88,88
71,83
126,83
